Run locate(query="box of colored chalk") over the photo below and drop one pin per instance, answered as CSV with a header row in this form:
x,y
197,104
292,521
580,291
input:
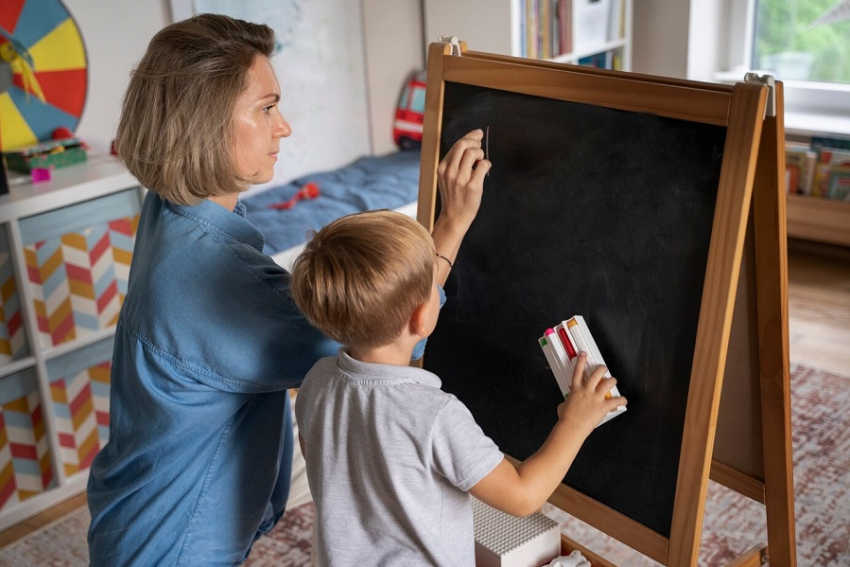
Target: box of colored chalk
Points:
x,y
561,346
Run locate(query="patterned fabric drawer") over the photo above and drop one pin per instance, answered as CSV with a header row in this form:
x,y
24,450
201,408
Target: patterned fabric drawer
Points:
x,y
78,261
13,343
79,389
24,456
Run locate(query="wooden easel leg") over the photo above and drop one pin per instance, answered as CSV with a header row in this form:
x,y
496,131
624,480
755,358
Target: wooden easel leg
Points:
x,y
568,546
772,282
755,557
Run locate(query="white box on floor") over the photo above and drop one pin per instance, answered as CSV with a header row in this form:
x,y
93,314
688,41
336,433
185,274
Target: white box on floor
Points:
x,y
502,540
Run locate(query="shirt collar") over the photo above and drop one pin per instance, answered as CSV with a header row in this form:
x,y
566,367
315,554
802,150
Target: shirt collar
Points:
x,y
233,223
386,372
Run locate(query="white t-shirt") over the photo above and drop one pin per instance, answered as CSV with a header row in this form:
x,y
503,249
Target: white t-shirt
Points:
x,y
390,458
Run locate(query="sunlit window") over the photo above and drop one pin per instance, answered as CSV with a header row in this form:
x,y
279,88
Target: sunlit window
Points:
x,y
805,40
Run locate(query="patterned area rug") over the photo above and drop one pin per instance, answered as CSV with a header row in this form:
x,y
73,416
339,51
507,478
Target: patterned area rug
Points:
x,y
63,543
733,524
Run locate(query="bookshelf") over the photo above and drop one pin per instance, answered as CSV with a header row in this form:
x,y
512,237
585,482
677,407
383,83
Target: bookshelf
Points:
x,y
591,31
816,218
821,220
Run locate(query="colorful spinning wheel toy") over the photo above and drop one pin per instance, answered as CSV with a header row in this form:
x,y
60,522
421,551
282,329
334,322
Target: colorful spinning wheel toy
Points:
x,y
43,72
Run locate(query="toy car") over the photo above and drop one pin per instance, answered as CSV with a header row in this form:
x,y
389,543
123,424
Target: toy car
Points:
x,y
410,113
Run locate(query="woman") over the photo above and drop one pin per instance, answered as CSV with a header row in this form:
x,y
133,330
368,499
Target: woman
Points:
x,y
208,341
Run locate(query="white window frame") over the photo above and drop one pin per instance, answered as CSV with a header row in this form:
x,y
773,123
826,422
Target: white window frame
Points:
x,y
720,49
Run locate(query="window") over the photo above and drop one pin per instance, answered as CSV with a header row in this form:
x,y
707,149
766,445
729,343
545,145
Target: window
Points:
x,y
804,43
805,40
403,100
418,102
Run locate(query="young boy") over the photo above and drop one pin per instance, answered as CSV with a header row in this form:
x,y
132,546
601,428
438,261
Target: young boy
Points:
x,y
390,457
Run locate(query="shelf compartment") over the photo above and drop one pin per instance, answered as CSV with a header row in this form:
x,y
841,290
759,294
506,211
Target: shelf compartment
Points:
x,y
25,469
13,342
79,391
78,262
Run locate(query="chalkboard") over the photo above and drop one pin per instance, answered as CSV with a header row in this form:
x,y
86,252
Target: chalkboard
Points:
x,y
654,208
587,211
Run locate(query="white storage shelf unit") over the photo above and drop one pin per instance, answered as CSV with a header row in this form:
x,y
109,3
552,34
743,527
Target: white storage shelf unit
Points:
x,y
500,26
65,250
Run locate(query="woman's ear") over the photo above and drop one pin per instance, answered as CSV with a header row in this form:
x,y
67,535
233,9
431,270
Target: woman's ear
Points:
x,y
418,324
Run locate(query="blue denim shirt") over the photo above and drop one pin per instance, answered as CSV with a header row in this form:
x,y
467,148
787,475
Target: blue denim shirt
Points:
x,y
208,341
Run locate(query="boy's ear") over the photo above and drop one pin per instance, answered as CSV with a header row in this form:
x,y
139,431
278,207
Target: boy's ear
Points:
x,y
419,321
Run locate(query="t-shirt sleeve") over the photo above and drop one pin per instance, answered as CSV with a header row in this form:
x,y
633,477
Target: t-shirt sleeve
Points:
x,y
461,451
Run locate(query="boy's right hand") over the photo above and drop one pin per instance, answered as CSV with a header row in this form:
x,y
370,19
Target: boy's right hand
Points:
x,y
586,405
521,490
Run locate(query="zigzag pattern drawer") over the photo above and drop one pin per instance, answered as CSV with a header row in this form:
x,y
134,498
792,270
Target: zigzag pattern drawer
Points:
x,y
24,456
78,276
13,342
79,388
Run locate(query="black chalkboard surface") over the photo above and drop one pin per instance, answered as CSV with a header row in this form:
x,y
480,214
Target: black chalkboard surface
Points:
x,y
587,211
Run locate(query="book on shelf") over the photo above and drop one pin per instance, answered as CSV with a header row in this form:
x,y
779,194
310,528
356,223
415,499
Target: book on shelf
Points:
x,y
561,346
829,161
800,163
603,60
819,142
564,25
839,184
820,168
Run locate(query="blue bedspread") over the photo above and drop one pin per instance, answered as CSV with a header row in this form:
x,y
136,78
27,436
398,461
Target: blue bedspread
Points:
x,y
385,182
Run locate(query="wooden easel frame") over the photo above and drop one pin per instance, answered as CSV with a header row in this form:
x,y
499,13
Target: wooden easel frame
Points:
x,y
743,183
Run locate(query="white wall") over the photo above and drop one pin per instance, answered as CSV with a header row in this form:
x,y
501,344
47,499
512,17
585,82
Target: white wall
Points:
x,y
393,37
689,39
485,25
116,34
660,37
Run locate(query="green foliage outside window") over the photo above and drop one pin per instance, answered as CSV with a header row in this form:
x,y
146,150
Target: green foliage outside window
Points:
x,y
803,39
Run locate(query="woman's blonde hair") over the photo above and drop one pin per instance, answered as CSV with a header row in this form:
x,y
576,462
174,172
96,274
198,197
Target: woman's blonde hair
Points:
x,y
175,134
361,277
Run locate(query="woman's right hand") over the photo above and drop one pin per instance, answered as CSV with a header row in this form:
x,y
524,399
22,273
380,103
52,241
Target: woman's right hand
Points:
x,y
460,178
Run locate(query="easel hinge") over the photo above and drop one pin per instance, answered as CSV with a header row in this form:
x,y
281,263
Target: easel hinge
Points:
x,y
770,83
455,43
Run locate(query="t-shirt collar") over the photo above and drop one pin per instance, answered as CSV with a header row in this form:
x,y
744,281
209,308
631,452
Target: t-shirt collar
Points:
x,y
386,372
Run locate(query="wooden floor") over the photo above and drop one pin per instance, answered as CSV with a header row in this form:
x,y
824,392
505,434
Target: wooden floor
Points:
x,y
28,526
819,334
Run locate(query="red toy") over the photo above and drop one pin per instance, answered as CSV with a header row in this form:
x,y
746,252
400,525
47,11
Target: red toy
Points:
x,y
410,113
308,191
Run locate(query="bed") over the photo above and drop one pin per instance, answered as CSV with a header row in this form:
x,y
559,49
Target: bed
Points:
x,y
383,182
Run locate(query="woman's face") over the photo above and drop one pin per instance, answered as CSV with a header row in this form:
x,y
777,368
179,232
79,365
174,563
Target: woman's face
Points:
x,y
258,123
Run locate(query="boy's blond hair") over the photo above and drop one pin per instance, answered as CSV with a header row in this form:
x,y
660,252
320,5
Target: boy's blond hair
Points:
x,y
175,134
361,277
